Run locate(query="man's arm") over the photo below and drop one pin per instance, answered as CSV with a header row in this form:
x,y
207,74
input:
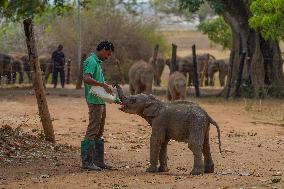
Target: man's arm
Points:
x,y
90,81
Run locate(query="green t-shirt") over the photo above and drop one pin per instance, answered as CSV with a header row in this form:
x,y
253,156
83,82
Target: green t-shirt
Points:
x,y
92,66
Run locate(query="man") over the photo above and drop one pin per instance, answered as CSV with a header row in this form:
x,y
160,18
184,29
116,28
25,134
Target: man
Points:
x,y
58,59
92,147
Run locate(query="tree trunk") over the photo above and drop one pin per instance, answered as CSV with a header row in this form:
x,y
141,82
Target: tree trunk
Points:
x,y
37,81
263,73
80,74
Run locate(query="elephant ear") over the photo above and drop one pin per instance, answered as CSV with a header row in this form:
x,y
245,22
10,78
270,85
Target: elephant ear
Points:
x,y
152,110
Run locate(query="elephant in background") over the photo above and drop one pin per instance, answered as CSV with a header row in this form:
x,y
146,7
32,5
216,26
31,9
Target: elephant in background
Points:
x,y
141,75
181,121
176,86
158,68
10,66
220,66
185,65
177,83
46,66
19,66
5,66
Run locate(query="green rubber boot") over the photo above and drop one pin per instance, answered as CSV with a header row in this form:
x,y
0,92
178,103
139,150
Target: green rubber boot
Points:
x,y
87,156
99,154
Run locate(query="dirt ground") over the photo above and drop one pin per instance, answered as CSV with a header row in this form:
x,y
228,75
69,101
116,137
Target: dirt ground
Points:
x,y
252,134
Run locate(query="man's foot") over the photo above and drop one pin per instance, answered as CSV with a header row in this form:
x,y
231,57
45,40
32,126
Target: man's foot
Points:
x,y
92,167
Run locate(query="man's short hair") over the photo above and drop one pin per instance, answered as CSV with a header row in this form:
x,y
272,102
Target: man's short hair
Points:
x,y
60,46
105,45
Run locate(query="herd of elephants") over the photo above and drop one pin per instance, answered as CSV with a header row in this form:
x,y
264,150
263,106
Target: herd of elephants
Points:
x,y
15,64
142,74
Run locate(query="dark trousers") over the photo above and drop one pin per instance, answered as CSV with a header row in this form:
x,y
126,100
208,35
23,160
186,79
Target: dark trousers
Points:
x,y
55,76
97,116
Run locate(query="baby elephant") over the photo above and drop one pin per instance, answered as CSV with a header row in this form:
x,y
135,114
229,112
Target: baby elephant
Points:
x,y
182,121
176,87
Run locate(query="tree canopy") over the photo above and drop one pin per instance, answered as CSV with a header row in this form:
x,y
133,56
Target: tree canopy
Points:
x,y
268,17
21,9
218,31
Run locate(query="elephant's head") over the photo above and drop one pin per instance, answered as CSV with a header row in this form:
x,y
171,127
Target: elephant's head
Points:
x,y
141,104
147,77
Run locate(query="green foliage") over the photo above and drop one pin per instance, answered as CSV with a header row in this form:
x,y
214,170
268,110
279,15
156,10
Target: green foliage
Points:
x,y
170,7
195,5
268,17
218,31
21,9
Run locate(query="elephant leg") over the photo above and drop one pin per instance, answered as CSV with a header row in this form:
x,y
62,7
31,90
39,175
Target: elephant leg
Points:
x,y
212,82
155,147
206,81
137,90
156,81
189,80
21,77
9,77
159,82
195,144
169,96
208,162
222,79
163,158
131,89
14,77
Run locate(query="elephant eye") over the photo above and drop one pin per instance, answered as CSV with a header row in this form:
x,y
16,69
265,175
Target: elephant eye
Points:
x,y
133,101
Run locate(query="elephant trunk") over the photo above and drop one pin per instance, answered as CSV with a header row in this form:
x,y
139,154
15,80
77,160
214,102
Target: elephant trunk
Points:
x,y
121,96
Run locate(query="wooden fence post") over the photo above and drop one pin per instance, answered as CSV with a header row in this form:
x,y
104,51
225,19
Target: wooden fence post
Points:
x,y
173,66
156,82
68,71
196,84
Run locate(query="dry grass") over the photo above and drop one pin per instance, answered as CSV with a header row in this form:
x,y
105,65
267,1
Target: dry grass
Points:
x,y
269,111
185,39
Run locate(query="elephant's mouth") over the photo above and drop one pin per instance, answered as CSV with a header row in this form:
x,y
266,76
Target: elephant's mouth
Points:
x,y
123,107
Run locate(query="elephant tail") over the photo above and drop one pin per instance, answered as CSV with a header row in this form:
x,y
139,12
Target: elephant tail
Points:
x,y
218,131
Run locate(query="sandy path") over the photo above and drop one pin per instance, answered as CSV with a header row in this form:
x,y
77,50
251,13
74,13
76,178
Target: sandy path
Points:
x,y
254,152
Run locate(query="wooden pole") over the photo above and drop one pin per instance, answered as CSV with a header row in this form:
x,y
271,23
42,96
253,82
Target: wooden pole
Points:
x,y
80,75
196,84
37,82
230,73
68,71
154,64
240,74
173,66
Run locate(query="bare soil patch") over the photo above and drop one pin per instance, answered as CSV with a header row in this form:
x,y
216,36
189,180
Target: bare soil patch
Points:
x,y
253,147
